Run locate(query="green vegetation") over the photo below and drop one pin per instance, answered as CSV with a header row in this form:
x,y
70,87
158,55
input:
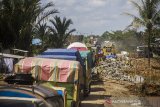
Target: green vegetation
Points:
x,y
17,20
41,32
149,17
59,31
21,21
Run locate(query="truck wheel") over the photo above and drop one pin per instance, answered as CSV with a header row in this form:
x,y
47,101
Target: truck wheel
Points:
x,y
87,91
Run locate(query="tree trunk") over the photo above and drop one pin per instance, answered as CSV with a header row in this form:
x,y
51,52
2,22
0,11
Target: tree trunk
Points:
x,y
149,43
149,48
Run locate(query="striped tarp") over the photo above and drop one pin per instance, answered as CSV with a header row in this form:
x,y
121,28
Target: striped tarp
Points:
x,y
50,69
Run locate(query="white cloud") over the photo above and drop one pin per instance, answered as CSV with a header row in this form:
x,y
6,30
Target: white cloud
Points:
x,y
98,2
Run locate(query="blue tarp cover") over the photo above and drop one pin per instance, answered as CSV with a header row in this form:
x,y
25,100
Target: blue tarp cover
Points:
x,y
68,52
64,53
110,56
58,57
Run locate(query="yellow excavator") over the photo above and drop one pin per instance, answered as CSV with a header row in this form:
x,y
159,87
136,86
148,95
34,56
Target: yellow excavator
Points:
x,y
109,48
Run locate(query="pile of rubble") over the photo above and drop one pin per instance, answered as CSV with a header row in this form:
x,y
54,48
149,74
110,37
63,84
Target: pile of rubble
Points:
x,y
132,70
114,69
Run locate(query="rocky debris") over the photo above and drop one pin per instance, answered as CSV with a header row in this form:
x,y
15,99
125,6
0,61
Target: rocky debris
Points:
x,y
143,79
114,69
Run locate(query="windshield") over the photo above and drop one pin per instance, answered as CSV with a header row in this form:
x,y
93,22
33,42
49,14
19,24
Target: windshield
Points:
x,y
108,49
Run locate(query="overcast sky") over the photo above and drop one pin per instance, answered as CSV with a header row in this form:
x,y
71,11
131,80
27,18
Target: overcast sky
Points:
x,y
95,16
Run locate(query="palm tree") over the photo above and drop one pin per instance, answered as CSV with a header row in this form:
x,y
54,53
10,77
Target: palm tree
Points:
x,y
60,31
149,12
41,32
18,18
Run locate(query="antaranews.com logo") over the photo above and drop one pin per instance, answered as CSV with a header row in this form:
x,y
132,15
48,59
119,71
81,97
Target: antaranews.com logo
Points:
x,y
132,101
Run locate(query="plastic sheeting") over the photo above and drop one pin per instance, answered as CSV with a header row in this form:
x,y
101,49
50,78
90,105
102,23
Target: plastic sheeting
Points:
x,y
6,65
88,56
50,69
9,64
79,48
77,44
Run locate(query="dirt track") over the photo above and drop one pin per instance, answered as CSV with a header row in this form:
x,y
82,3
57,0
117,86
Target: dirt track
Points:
x,y
96,97
102,90
105,94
